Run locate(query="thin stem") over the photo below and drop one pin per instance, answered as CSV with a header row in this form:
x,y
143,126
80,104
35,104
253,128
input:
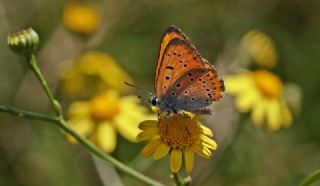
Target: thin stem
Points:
x,y
92,148
120,166
313,177
34,67
27,114
177,180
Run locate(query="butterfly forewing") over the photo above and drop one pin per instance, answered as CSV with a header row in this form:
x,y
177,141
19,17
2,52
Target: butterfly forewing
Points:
x,y
170,33
178,58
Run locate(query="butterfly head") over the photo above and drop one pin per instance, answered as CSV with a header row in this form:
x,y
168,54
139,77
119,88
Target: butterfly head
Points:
x,y
154,100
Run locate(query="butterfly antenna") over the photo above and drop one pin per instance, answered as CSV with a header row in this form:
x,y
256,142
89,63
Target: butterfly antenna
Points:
x,y
139,88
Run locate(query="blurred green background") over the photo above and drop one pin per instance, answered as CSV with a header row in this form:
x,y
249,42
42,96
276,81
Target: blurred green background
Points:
x,y
33,153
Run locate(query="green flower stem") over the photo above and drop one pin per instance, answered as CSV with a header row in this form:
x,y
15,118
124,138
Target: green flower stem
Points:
x,y
34,67
178,180
27,114
313,177
60,122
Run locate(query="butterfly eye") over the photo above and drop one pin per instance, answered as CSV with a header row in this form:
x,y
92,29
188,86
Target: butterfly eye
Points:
x,y
154,102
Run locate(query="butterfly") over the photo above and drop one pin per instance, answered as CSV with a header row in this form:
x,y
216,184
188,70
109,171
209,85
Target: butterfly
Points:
x,y
184,81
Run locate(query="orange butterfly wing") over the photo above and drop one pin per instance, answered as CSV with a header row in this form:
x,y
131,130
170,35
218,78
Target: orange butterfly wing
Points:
x,y
183,77
170,33
196,89
178,58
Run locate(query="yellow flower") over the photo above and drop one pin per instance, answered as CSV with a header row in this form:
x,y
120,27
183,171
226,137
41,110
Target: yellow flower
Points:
x,y
100,118
178,135
81,18
94,72
261,48
260,92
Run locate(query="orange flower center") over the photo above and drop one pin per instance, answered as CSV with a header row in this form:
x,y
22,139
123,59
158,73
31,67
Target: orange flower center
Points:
x,y
269,84
104,108
179,131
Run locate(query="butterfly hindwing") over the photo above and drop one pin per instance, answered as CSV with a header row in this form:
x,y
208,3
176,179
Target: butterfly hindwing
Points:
x,y
195,90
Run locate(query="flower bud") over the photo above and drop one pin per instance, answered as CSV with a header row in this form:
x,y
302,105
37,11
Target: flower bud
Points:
x,y
261,48
23,42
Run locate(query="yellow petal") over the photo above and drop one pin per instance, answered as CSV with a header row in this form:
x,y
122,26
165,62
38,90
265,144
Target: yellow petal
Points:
x,y
258,113
201,151
128,128
83,126
116,73
79,108
237,83
162,150
151,147
105,67
209,143
175,160
207,131
106,137
147,134
274,115
246,99
189,160
127,121
148,124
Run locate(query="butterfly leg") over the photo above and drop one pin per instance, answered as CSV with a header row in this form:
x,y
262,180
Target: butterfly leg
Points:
x,y
175,111
206,110
184,113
